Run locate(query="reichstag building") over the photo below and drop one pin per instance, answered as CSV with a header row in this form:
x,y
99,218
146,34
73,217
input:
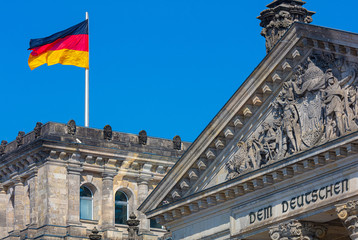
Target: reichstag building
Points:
x,y
278,161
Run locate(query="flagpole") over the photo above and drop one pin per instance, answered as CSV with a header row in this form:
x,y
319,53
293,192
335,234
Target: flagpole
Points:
x,y
87,90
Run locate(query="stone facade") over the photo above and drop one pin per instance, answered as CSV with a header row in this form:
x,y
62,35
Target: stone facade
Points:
x,y
278,162
41,174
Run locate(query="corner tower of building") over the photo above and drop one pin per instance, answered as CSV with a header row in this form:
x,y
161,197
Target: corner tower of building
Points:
x,y
279,16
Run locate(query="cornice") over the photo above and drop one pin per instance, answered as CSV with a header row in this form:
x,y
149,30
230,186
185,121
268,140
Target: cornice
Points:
x,y
77,156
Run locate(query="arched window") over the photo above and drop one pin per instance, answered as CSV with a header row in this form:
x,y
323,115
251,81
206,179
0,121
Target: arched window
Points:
x,y
86,203
121,208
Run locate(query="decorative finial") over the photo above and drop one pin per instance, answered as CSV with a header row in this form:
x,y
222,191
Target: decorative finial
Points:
x,y
37,129
20,138
278,18
142,138
2,147
107,132
95,235
177,142
71,127
132,227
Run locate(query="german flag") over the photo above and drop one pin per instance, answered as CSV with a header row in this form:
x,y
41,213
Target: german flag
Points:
x,y
68,47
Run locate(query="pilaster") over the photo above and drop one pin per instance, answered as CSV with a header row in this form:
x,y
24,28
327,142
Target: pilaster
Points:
x,y
297,230
142,194
73,185
18,205
74,228
348,212
32,184
3,227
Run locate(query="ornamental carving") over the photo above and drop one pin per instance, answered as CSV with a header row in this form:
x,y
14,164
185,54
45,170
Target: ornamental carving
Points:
x,y
177,142
133,228
20,138
295,230
279,17
107,132
71,127
142,138
37,129
3,147
317,104
348,213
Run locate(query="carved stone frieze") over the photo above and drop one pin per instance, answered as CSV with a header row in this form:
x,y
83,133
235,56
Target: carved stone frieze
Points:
x,y
348,213
317,104
279,17
107,132
296,230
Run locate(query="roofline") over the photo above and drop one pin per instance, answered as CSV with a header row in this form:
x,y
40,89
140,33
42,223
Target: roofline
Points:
x,y
293,30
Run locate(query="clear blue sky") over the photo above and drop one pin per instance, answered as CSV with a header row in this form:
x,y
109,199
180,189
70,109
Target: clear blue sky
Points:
x,y
166,66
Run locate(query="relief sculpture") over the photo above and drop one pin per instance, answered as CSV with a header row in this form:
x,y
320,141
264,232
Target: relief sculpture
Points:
x,y
318,103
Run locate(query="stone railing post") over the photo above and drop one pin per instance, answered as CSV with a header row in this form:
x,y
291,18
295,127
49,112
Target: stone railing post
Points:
x,y
348,213
298,230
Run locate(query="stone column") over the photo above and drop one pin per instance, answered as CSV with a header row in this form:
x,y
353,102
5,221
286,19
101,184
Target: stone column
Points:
x,y
298,230
73,184
3,203
18,205
107,201
348,213
142,194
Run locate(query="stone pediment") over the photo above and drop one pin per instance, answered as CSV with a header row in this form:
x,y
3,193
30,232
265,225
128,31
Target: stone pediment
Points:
x,y
301,96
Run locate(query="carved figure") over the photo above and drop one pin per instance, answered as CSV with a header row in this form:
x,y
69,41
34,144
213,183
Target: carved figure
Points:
x,y
19,138
37,129
333,97
240,163
71,127
142,137
351,110
2,147
267,141
177,142
290,119
107,132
